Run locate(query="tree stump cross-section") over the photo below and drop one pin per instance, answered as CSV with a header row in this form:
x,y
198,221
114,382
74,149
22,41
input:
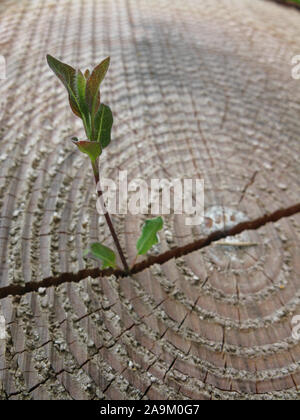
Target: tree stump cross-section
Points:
x,y
199,89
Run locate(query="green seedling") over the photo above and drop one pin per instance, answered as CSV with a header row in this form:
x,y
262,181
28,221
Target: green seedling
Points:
x,y
85,101
149,236
102,253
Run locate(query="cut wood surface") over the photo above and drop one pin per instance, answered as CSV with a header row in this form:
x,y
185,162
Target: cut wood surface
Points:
x,y
199,89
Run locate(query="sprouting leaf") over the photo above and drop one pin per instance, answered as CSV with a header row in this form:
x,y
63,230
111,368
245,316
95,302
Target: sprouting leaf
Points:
x,y
84,97
149,235
90,148
67,75
80,93
93,85
102,253
74,106
103,125
62,70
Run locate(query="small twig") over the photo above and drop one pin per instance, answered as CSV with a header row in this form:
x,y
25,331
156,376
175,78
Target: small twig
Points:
x,y
107,217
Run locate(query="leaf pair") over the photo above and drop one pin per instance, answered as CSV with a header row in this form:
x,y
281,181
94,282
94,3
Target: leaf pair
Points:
x,y
146,241
93,85
84,98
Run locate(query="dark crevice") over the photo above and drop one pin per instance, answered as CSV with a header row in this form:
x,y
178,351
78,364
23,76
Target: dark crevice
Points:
x,y
19,290
54,375
247,186
216,236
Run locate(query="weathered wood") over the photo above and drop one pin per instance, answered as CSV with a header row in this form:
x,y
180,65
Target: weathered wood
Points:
x,y
198,89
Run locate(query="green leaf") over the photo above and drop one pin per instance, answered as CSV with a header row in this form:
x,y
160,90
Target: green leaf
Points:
x,y
103,125
90,148
80,93
62,70
102,253
93,85
67,75
149,235
74,106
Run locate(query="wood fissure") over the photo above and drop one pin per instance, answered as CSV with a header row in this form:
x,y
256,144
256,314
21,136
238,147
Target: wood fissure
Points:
x,y
17,290
198,89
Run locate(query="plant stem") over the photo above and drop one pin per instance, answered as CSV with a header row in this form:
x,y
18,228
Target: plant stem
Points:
x,y
107,216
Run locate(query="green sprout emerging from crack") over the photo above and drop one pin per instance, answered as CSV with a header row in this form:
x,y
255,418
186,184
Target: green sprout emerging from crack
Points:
x,y
97,118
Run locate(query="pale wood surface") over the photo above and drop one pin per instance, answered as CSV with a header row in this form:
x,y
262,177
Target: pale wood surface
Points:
x,y
198,88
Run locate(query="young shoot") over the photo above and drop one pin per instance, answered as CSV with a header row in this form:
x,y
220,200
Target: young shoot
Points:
x,y
83,90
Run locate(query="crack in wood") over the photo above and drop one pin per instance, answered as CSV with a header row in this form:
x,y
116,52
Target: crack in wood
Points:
x,y
19,290
247,186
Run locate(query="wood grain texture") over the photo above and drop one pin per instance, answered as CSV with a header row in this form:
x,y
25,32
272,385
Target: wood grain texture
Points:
x,y
198,89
